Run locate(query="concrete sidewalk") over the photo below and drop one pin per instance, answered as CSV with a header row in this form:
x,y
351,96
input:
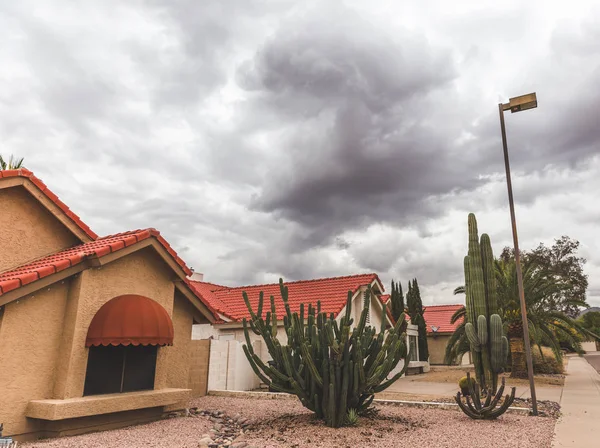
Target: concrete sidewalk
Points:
x,y
408,386
579,425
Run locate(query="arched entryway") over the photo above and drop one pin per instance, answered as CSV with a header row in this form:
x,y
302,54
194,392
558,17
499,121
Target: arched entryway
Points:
x,y
123,340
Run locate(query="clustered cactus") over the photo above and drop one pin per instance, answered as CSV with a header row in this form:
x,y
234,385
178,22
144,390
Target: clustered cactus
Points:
x,y
334,368
489,346
488,410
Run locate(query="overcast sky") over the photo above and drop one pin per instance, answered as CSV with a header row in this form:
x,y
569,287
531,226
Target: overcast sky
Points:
x,y
308,139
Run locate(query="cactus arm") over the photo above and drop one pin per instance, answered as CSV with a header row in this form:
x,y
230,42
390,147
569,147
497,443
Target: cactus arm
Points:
x,y
489,274
469,412
260,304
508,400
482,330
472,336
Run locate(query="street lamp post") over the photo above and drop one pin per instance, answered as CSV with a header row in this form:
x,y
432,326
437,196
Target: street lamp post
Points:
x,y
518,104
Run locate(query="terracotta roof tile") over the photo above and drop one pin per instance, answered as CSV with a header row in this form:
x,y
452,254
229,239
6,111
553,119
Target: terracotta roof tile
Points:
x,y
332,292
439,316
43,267
23,172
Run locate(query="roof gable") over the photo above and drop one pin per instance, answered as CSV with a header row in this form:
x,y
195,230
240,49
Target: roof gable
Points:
x,y
17,282
51,201
332,292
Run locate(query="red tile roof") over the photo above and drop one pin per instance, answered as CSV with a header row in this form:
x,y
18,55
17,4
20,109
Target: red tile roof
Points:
x,y
439,316
332,292
59,261
216,305
23,172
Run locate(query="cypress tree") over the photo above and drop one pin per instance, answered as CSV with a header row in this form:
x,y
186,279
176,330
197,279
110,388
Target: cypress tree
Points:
x,y
415,311
397,300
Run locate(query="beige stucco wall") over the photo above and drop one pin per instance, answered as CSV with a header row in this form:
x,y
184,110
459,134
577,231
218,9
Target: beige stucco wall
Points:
x,y
29,341
42,337
200,353
142,273
437,348
29,230
178,357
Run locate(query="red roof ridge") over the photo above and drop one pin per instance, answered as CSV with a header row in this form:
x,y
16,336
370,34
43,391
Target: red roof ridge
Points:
x,y
442,306
209,283
341,277
66,258
24,172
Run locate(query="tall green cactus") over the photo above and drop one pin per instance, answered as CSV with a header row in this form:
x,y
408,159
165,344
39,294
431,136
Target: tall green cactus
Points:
x,y
489,346
332,367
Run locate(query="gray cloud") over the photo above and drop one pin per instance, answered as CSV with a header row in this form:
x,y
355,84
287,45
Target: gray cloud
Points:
x,y
272,138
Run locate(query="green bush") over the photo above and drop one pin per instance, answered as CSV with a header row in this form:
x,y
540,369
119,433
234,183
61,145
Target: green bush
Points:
x,y
548,364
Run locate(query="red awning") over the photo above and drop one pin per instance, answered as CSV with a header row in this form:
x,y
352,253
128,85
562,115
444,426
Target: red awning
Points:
x,y
130,319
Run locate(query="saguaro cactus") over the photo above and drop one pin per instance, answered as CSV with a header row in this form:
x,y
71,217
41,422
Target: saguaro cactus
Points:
x,y
332,367
489,346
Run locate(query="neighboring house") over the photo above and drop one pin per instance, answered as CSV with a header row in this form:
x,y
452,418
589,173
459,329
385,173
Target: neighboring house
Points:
x,y
439,329
231,309
94,332
332,292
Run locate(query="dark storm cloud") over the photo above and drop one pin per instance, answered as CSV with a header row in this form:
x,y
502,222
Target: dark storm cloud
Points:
x,y
353,101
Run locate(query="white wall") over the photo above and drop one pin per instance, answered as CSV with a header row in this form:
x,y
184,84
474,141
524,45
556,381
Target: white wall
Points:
x,y
204,331
229,368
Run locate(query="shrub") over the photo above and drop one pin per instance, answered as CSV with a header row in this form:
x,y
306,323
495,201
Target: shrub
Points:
x,y
548,364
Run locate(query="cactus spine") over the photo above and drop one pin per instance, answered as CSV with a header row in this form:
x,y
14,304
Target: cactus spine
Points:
x,y
489,346
332,367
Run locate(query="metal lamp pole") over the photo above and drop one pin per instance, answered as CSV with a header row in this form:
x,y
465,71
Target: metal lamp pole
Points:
x,y
516,105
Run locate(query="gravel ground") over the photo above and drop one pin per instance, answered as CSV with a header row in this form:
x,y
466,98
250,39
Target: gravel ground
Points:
x,y
184,432
285,423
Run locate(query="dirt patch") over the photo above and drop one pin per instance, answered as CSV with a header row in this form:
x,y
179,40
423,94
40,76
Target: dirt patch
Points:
x,y
453,375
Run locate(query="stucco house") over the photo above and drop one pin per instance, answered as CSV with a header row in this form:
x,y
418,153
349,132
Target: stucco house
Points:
x,y
231,310
439,330
94,332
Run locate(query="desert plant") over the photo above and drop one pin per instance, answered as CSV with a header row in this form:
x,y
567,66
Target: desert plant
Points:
x,y
489,346
415,311
487,410
332,367
396,300
12,164
464,385
352,417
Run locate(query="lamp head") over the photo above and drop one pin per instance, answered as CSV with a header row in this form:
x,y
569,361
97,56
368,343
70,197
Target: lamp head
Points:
x,y
523,102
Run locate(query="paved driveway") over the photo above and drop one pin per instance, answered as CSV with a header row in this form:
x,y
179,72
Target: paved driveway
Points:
x,y
594,359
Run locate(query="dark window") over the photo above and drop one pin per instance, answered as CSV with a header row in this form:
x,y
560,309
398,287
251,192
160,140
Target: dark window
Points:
x,y
113,369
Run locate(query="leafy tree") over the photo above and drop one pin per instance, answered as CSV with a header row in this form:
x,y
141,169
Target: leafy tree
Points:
x,y
548,326
591,322
12,164
560,265
397,300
